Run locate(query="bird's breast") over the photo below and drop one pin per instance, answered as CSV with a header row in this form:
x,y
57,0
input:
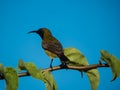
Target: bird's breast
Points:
x,y
50,54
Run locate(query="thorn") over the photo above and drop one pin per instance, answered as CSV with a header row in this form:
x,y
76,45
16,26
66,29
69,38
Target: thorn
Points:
x,y
100,62
81,74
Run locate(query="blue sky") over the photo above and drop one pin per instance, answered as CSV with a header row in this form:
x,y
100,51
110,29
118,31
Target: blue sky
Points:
x,y
88,25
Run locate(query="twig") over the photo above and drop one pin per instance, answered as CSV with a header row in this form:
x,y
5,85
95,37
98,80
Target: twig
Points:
x,y
81,68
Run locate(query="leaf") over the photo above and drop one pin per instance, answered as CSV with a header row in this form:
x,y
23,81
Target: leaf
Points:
x,y
21,65
75,57
78,59
31,68
49,80
45,76
10,76
1,70
94,78
113,62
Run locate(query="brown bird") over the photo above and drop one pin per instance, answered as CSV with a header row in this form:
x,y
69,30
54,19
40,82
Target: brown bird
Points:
x,y
51,45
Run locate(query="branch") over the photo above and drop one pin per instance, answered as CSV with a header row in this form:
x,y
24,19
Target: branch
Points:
x,y
81,68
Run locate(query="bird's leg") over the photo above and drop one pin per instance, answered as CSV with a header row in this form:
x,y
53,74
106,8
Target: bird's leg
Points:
x,y
51,63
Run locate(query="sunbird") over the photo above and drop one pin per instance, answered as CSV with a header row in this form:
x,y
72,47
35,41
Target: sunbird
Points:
x,y
52,47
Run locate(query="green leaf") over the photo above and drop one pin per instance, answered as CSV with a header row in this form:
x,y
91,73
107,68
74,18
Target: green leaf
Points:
x,y
21,65
94,78
113,62
45,76
49,80
1,68
31,69
11,78
75,56
78,59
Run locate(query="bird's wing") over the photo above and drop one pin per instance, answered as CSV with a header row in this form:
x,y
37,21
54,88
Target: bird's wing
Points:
x,y
53,46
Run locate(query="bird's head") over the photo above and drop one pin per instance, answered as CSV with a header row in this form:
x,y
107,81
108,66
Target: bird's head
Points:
x,y
42,32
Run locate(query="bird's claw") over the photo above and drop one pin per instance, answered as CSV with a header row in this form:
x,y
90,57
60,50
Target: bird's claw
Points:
x,y
63,65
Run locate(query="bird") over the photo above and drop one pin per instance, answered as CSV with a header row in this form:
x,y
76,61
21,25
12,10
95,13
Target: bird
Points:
x,y
52,47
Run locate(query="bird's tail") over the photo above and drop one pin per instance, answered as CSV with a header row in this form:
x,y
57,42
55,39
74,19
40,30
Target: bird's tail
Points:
x,y
64,59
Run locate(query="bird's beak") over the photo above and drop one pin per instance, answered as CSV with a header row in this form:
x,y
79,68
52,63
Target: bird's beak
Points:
x,y
32,32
